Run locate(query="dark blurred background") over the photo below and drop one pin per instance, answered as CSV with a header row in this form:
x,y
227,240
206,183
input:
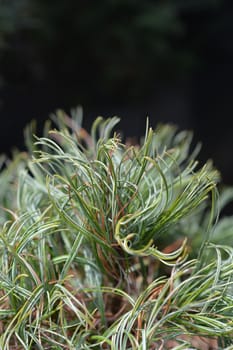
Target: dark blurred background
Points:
x,y
171,60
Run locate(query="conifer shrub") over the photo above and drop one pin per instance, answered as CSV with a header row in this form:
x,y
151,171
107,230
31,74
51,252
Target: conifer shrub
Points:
x,y
108,245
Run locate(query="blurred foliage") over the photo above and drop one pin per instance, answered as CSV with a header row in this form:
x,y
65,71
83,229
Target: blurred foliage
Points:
x,y
14,16
116,43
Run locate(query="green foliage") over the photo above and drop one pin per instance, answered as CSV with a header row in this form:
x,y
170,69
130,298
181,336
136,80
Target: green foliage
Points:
x,y
89,245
